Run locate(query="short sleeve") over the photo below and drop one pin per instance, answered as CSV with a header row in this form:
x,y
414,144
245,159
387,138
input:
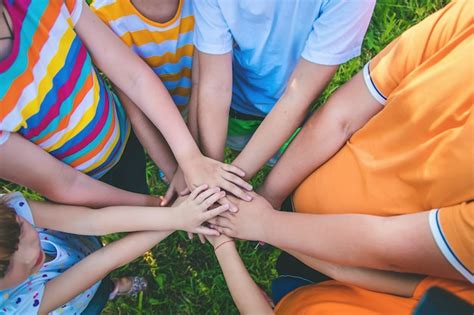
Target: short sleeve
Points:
x,y
453,231
415,47
4,135
211,32
75,9
338,32
17,201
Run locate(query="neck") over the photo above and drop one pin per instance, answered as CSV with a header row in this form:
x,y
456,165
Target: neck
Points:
x,y
158,11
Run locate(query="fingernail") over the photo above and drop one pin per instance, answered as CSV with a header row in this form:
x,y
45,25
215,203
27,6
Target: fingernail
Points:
x,y
233,209
248,197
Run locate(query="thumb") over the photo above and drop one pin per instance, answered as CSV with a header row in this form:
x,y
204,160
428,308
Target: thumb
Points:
x,y
170,193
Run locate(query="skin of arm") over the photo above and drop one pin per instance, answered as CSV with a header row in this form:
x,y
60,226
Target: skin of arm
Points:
x,y
187,216
402,243
215,93
193,100
96,266
150,137
246,294
402,284
304,86
135,78
328,129
24,163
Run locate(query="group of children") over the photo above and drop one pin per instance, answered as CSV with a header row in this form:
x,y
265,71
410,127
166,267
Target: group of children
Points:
x,y
78,139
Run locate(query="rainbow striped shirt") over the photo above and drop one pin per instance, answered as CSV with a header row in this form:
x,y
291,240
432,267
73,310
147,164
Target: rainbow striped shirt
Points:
x,y
51,94
166,47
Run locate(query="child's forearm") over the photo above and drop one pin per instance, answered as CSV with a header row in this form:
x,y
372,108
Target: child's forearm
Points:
x,y
87,221
214,98
96,266
389,282
193,100
150,137
246,294
304,86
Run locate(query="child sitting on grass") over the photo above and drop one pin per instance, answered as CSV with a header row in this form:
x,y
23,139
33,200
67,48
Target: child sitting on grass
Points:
x,y
47,266
161,33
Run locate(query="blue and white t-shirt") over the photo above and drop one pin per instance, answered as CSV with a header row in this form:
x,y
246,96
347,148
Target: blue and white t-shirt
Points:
x,y
66,250
269,37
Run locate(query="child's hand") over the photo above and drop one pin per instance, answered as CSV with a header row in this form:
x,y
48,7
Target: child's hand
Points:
x,y
193,211
218,174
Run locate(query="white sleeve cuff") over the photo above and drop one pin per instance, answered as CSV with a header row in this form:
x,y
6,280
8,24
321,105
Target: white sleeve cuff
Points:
x,y
382,99
444,247
76,12
4,135
330,59
213,49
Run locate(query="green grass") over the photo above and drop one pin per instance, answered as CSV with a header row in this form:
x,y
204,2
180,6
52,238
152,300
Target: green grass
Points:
x,y
184,276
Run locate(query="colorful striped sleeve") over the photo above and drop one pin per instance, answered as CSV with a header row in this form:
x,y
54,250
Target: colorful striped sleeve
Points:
x,y
453,232
75,9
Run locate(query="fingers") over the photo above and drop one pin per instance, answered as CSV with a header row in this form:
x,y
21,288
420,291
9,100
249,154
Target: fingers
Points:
x,y
226,231
207,231
197,191
206,194
233,169
170,193
226,201
221,222
202,238
190,235
208,215
237,180
236,191
212,199
185,192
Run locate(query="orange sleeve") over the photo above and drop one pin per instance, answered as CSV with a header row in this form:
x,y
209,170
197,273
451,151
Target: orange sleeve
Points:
x,y
453,231
415,47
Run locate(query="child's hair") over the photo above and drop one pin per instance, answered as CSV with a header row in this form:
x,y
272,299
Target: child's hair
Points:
x,y
9,236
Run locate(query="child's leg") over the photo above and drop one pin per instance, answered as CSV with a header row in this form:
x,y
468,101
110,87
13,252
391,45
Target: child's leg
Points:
x,y
130,172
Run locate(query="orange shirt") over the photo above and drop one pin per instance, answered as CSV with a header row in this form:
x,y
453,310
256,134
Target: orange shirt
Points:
x,y
415,155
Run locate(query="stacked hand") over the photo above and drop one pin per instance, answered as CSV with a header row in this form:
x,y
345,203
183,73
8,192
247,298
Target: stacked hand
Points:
x,y
192,211
248,223
204,170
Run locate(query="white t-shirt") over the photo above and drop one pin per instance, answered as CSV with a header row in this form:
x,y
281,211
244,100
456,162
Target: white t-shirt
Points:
x,y
268,37
67,250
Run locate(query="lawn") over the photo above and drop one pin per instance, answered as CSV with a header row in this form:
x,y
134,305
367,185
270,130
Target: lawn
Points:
x,y
184,277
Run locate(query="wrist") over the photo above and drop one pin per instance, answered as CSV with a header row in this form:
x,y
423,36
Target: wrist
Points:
x,y
223,248
270,218
190,162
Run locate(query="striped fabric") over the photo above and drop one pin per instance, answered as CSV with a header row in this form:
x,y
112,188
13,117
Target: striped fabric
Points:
x,y
166,47
51,94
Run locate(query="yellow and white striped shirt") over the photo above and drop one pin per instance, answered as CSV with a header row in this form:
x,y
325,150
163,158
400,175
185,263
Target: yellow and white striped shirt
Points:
x,y
166,47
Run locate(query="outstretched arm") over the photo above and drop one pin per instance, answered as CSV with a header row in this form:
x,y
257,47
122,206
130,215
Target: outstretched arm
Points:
x,y
150,137
24,163
187,216
304,86
215,92
403,243
346,111
95,267
247,296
